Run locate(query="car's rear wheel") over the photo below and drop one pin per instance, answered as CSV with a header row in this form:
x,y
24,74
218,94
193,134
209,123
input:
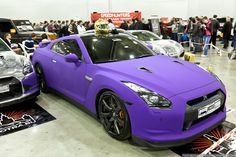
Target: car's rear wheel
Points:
x,y
114,116
42,81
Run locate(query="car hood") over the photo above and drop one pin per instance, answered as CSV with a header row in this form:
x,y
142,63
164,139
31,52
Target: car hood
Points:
x,y
11,64
164,75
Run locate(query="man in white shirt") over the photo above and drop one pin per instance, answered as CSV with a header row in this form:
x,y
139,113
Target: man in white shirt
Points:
x,y
81,29
111,26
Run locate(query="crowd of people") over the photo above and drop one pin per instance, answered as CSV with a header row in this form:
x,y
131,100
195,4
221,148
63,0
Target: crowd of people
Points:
x,y
201,31
65,28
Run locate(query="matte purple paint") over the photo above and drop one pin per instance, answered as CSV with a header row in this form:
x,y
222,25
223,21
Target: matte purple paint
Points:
x,y
177,80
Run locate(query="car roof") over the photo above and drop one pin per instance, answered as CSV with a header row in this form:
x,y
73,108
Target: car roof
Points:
x,y
132,31
110,34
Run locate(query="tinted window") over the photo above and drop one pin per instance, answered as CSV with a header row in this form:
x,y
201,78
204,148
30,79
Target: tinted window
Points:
x,y
126,49
67,47
114,48
145,36
99,48
5,26
3,46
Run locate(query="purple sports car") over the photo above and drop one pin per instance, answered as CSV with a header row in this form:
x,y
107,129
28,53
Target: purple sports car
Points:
x,y
156,100
18,81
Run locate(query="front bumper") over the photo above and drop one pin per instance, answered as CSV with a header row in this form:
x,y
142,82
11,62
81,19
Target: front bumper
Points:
x,y
166,128
27,89
173,143
23,98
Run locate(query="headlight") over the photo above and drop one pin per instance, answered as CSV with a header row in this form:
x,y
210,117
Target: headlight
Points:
x,y
27,68
151,98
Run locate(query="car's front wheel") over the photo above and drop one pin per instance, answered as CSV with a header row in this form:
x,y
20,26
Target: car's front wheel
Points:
x,y
41,78
114,116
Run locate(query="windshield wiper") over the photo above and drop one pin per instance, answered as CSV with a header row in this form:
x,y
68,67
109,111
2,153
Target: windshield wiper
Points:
x,y
146,55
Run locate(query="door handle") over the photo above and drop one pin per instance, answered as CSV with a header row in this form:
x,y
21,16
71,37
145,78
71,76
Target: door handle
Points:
x,y
54,61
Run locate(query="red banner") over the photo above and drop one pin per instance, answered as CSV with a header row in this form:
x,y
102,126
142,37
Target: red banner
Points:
x,y
116,17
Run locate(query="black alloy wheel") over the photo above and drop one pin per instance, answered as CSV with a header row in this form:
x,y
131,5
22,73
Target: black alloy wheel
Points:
x,y
114,116
42,82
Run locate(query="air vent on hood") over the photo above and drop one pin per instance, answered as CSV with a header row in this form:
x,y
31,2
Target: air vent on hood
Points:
x,y
145,69
178,62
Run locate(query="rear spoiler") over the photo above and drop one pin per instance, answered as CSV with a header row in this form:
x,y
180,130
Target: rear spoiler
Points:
x,y
44,44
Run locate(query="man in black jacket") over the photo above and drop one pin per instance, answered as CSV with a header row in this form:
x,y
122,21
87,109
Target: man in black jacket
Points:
x,y
234,39
215,27
227,32
124,25
138,25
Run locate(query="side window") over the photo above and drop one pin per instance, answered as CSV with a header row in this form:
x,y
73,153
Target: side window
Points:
x,y
58,48
5,27
99,48
67,47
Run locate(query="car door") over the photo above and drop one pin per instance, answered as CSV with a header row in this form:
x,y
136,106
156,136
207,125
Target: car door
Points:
x,y
70,76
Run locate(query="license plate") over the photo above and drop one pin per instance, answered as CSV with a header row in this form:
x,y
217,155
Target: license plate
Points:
x,y
4,88
206,110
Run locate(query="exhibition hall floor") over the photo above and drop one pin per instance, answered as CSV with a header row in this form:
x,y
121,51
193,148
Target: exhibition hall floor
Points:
x,y
75,133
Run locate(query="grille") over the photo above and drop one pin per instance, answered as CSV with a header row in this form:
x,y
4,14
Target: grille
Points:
x,y
15,88
191,114
205,98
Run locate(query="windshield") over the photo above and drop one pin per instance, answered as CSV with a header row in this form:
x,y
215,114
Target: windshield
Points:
x,y
3,46
145,36
23,25
114,48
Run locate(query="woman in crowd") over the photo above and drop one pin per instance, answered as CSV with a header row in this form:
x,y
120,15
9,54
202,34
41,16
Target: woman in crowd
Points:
x,y
207,30
44,37
80,28
7,39
174,30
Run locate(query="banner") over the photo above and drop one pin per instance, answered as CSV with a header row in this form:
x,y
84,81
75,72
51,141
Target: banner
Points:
x,y
116,17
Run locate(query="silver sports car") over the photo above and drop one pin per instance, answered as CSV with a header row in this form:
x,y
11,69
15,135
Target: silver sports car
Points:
x,y
18,81
166,47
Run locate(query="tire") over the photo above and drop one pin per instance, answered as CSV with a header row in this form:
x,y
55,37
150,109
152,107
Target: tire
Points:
x,y
114,116
42,81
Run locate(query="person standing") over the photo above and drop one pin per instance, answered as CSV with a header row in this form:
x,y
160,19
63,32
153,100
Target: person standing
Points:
x,y
207,28
111,26
124,25
131,26
174,30
80,28
196,35
227,32
7,39
51,27
215,27
234,39
72,28
138,25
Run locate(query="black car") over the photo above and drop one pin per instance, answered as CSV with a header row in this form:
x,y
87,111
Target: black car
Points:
x,y
20,29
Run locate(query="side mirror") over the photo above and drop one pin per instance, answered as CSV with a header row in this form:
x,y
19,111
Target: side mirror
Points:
x,y
72,58
13,31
